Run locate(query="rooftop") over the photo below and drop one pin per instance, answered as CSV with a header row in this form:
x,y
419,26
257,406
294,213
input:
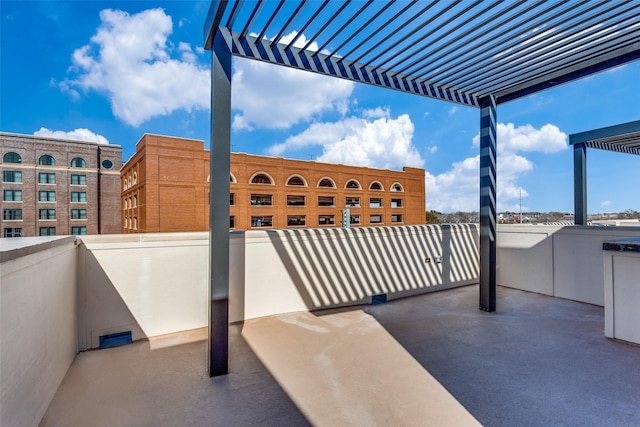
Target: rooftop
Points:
x,y
432,359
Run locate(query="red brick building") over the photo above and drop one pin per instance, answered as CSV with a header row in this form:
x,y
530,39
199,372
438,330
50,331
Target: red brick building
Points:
x,y
54,186
165,188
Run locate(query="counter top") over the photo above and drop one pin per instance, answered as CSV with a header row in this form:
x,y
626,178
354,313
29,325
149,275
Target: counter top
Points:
x,y
622,245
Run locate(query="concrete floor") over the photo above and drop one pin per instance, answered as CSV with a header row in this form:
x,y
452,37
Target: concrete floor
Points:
x,y
538,361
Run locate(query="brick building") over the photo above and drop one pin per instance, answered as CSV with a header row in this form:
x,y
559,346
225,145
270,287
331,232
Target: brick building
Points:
x,y
165,188
55,186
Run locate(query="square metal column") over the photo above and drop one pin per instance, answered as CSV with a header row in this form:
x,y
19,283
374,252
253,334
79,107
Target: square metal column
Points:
x,y
580,184
488,210
219,208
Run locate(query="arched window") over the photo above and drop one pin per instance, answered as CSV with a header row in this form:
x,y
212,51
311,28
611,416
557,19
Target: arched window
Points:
x,y
135,178
232,178
326,182
397,187
78,162
297,180
352,183
46,160
375,185
261,178
12,158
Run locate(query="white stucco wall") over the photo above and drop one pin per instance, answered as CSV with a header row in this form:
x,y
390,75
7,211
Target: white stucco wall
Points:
x,y
157,284
149,284
565,262
37,324
298,270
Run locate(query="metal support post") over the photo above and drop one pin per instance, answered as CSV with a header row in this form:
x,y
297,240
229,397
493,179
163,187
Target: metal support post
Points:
x,y
488,211
219,208
580,184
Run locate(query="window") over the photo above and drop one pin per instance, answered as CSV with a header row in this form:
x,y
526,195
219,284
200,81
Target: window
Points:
x,y
47,214
375,219
107,164
353,202
13,232
296,180
296,200
78,196
12,214
232,222
78,180
352,183
326,182
135,201
46,178
11,158
78,214
327,220
46,160
396,218
325,201
12,196
355,219
261,179
296,220
375,203
396,203
47,231
12,176
46,196
232,199
396,187
135,222
135,178
375,186
231,178
261,221
261,199
79,231
78,163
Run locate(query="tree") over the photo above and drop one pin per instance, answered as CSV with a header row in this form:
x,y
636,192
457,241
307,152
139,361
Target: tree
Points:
x,y
432,217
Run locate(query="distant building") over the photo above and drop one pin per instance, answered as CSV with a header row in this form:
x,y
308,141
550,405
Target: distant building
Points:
x,y
165,188
55,186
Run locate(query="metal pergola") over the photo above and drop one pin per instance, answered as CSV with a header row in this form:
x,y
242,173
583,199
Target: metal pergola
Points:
x,y
480,53
623,138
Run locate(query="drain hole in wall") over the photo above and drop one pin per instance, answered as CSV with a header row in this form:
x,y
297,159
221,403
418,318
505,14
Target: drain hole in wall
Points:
x,y
115,340
378,299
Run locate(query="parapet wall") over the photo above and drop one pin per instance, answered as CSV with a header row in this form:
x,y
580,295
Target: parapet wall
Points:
x,y
156,284
565,262
37,324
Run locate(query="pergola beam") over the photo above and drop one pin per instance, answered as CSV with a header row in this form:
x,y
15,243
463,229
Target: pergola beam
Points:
x,y
622,138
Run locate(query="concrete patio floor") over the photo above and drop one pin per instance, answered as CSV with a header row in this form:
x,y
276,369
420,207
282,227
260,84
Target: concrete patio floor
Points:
x,y
433,359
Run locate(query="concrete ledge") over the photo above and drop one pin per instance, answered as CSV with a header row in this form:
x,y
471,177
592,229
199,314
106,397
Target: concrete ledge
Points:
x,y
12,248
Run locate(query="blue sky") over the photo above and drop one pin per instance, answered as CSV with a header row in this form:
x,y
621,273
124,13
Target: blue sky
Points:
x,y
112,71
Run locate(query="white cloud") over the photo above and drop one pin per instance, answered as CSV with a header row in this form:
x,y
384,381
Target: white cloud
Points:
x,y
380,143
606,203
275,97
453,110
548,139
432,149
458,188
130,61
77,135
377,112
